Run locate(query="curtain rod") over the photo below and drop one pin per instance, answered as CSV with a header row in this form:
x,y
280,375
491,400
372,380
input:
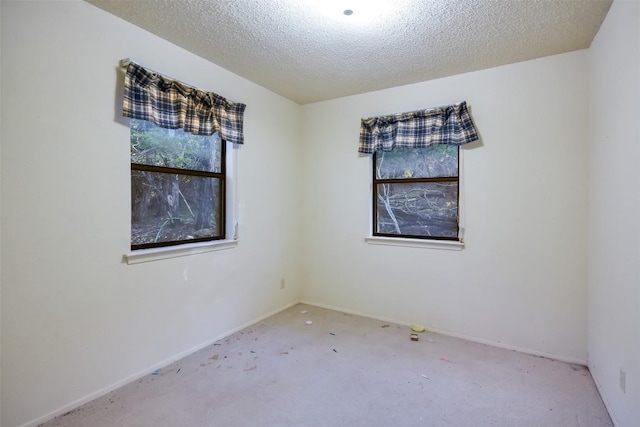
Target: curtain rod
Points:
x,y
124,64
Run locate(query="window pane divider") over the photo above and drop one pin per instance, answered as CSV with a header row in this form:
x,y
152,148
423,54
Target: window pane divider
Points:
x,y
178,171
410,180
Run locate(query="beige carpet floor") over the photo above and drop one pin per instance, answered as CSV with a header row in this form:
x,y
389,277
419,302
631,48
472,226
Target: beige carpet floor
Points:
x,y
345,370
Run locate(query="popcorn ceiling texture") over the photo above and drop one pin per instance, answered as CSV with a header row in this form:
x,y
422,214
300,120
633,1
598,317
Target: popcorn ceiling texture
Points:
x,y
293,49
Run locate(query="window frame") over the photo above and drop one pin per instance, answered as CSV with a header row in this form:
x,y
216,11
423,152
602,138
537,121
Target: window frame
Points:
x,y
231,226
221,184
394,239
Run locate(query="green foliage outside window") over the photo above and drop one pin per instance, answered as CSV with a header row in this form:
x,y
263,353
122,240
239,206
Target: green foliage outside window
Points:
x,y
177,186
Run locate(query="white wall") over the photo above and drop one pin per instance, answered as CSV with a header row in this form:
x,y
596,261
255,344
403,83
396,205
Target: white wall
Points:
x,y
521,280
614,211
75,319
0,225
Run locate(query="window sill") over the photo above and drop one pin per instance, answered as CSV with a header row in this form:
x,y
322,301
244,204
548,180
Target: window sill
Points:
x,y
416,243
155,254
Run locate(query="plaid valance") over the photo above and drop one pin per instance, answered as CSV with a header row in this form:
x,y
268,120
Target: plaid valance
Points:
x,y
173,105
443,125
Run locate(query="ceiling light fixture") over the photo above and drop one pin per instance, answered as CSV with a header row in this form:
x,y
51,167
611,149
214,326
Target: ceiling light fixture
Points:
x,y
361,11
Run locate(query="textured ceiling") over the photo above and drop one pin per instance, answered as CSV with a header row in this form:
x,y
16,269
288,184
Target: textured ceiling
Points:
x,y
297,51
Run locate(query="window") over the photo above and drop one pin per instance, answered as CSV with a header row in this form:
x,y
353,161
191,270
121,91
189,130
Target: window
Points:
x,y
180,137
177,186
415,155
415,193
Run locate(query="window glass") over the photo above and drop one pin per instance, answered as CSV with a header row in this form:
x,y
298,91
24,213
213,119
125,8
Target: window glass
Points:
x,y
429,162
416,193
175,148
177,186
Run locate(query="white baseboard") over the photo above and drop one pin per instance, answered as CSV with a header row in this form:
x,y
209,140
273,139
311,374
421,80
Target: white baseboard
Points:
x,y
602,396
136,376
456,335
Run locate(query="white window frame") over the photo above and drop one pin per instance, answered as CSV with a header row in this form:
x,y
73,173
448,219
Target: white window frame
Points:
x,y
421,243
231,225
